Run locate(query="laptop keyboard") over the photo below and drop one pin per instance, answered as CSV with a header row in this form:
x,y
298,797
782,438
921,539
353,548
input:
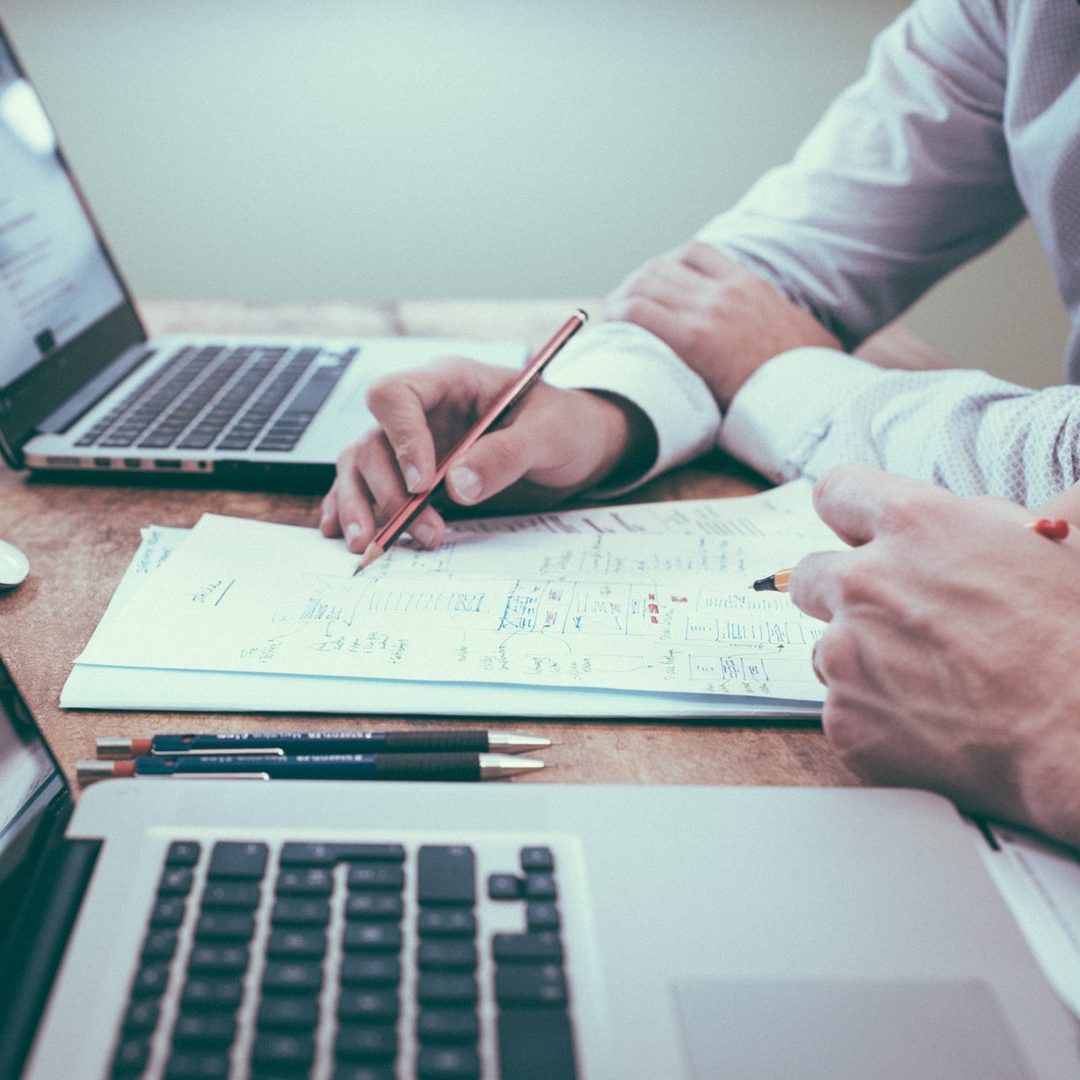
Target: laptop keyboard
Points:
x,y
350,961
225,398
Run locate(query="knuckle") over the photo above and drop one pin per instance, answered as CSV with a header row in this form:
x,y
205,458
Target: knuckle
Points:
x,y
635,310
383,393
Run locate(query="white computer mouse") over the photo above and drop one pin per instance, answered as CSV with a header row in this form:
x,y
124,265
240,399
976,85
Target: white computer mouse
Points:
x,y
14,566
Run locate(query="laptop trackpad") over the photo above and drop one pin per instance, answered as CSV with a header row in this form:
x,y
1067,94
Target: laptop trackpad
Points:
x,y
844,1031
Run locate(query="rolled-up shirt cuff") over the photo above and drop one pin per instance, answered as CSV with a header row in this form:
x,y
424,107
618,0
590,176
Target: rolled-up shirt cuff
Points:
x,y
782,412
624,360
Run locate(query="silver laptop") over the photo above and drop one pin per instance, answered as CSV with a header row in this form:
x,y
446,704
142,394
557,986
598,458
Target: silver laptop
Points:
x,y
542,931
82,389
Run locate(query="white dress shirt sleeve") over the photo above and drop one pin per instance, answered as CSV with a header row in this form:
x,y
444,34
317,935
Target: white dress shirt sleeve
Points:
x,y
627,361
906,176
809,409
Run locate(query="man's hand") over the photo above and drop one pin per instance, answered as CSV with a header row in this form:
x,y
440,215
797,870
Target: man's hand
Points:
x,y
721,319
950,655
556,442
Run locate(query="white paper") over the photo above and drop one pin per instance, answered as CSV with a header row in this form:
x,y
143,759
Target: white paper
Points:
x,y
1040,882
647,608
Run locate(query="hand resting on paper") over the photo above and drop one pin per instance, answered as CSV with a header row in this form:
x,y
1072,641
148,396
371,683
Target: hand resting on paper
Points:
x,y
557,442
950,655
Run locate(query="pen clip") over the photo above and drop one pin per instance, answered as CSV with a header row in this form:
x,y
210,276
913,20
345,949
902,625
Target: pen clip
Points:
x,y
218,776
236,751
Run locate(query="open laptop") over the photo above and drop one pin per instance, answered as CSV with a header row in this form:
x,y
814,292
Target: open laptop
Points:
x,y
83,389
174,928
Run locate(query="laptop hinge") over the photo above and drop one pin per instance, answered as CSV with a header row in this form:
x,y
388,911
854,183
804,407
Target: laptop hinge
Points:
x,y
37,941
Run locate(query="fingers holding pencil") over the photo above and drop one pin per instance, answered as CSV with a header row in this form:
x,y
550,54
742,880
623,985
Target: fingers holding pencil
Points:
x,y
465,482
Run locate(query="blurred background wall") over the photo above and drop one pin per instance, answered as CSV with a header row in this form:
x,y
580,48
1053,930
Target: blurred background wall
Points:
x,y
372,149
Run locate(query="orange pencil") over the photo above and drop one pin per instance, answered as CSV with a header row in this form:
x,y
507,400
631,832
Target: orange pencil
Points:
x,y
1053,529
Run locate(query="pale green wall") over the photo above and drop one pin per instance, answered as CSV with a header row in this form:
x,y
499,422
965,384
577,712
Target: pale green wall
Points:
x,y
341,149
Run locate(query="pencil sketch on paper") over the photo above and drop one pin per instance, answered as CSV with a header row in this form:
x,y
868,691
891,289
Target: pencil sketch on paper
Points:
x,y
583,607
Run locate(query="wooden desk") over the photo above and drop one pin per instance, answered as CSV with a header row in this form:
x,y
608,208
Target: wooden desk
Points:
x,y
79,539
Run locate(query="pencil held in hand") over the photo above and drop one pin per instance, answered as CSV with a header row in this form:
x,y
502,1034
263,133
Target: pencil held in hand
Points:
x,y
777,582
514,391
1056,529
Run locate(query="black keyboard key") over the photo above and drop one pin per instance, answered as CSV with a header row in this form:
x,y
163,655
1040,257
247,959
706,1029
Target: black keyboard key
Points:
x,y
182,853
446,875
446,988
377,906
355,1071
296,944
283,1050
159,945
225,925
435,922
531,984
175,881
443,954
541,915
537,860
447,1063
230,894
142,1016
299,911
291,977
218,959
197,1030
379,1006
305,882
150,980
211,992
294,854
168,912
540,887
535,1044
131,1055
359,969
530,948
197,1065
372,937
232,860
504,887
447,1025
387,876
366,1042
299,1011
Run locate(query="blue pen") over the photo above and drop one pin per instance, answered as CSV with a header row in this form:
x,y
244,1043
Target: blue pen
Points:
x,y
329,742
313,767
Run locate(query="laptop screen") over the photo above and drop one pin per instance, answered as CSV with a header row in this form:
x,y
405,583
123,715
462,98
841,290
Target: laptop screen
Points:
x,y
55,279
30,787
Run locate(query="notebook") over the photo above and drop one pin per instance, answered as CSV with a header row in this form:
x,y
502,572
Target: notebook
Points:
x,y
517,930
83,388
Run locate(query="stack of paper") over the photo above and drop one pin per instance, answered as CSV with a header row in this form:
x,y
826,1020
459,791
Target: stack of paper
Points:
x,y
629,611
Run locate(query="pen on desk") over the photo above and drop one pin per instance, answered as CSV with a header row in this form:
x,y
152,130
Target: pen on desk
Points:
x,y
325,742
1056,529
515,390
314,767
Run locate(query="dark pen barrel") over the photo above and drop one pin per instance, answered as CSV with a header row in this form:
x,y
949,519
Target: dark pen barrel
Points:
x,y
468,741
317,767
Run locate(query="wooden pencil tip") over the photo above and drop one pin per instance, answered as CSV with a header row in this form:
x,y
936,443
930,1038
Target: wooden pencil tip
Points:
x,y
372,552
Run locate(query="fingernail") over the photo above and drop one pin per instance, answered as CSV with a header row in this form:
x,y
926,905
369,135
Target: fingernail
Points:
x,y
412,478
424,534
351,533
465,483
